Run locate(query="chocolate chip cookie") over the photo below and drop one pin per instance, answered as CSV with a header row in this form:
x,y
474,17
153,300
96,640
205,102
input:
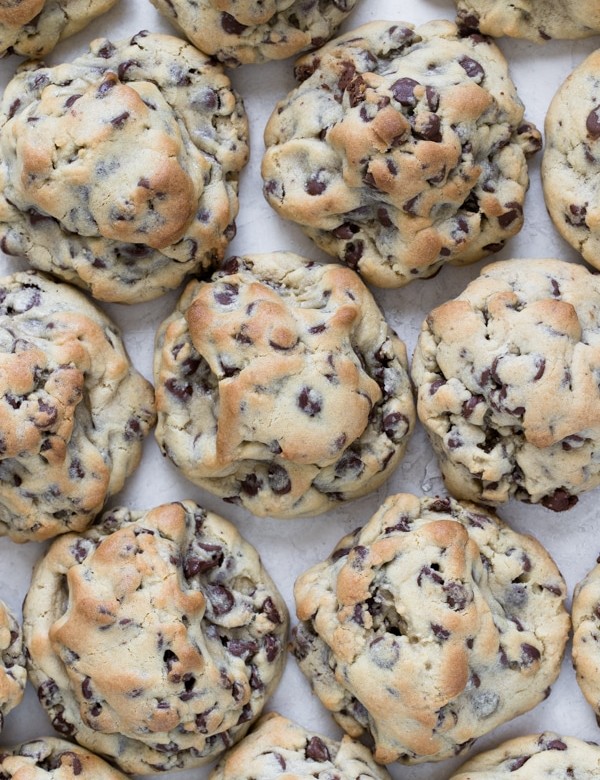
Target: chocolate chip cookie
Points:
x,y
279,748
281,387
430,626
34,27
247,31
537,20
535,757
571,162
118,172
13,675
586,636
73,410
402,149
49,758
508,390
154,637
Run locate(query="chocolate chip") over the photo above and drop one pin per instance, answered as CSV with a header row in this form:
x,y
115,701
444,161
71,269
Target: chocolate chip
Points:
x,y
559,501
231,25
271,611
317,750
529,654
471,67
440,632
226,293
181,390
221,599
314,185
403,91
310,401
592,123
353,252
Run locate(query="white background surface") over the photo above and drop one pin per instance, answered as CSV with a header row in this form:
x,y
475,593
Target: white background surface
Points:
x,y
289,547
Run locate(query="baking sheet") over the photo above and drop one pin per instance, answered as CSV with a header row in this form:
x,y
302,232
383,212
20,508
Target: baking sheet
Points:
x,y
290,547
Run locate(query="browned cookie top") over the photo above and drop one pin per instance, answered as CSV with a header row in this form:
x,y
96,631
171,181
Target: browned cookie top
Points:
x,y
155,637
571,164
280,748
119,171
430,626
546,756
586,636
49,758
281,387
247,31
34,27
73,410
538,20
507,376
401,150
13,675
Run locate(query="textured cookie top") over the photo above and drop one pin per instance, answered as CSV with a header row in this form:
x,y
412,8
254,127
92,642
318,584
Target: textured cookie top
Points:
x,y
73,411
49,758
535,757
402,149
430,626
34,27
13,675
279,748
586,636
537,20
507,377
571,163
246,31
119,170
253,371
155,637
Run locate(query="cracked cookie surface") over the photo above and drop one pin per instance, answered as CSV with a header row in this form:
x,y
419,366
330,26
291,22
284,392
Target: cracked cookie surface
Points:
x,y
430,626
154,637
13,675
537,20
118,171
586,637
535,757
281,387
403,149
280,748
507,376
34,27
73,410
571,162
238,32
51,758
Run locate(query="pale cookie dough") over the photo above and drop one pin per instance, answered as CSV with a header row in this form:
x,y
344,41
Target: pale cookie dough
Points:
x,y
402,149
238,32
571,163
119,171
49,758
586,637
546,756
13,675
430,626
279,748
154,638
537,20
34,27
73,410
281,387
508,384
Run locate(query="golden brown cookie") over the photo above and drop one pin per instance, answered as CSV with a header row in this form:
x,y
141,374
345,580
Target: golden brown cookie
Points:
x,y
154,638
403,149
281,387
430,626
